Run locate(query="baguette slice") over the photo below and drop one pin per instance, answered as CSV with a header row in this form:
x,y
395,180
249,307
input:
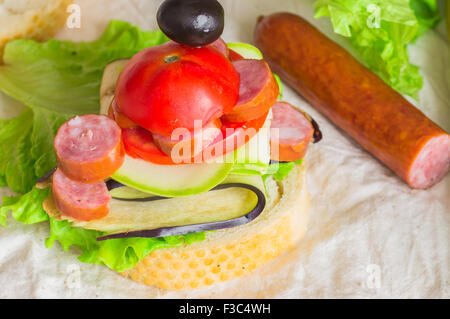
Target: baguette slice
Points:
x,y
233,252
31,19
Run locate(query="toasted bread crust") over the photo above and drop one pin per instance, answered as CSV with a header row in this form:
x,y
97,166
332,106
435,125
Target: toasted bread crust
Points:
x,y
36,20
234,252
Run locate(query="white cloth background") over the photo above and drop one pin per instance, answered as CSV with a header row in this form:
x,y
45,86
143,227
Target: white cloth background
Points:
x,y
369,236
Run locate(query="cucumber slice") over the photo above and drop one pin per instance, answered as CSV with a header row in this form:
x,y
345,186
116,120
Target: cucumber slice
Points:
x,y
249,169
183,180
256,153
280,86
110,75
127,192
237,200
123,192
171,180
254,157
251,159
247,51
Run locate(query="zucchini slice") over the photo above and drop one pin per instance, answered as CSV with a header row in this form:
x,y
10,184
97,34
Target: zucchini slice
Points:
x,y
238,200
171,180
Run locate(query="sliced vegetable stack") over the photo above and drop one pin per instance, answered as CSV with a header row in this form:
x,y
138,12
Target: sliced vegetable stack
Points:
x,y
226,124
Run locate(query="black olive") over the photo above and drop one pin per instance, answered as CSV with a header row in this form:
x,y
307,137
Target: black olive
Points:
x,y
191,22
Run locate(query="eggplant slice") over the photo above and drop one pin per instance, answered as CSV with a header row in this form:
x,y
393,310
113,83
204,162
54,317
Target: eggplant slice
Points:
x,y
46,176
317,135
237,201
194,228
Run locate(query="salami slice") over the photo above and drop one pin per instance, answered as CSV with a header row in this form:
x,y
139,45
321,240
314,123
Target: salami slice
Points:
x,y
293,133
221,46
81,201
89,148
258,90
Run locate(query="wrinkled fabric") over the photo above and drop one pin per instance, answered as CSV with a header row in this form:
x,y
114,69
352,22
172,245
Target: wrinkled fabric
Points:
x,y
369,235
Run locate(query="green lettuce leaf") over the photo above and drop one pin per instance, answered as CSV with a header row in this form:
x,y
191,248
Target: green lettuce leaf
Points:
x,y
16,164
57,80
117,254
427,14
25,208
279,171
3,181
64,76
380,31
45,125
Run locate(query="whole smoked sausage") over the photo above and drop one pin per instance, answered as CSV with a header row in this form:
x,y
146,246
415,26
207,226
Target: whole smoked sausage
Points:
x,y
355,99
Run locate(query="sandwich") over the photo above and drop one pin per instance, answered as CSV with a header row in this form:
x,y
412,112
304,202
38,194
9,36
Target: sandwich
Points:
x,y
193,170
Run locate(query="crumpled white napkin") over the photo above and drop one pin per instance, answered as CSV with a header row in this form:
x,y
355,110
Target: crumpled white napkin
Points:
x,y
369,236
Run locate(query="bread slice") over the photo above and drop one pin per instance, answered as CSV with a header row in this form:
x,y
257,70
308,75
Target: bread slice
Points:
x,y
233,252
31,19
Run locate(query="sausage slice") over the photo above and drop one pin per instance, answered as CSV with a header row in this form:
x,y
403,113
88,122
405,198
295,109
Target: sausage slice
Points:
x,y
119,117
258,90
294,132
81,201
89,148
221,46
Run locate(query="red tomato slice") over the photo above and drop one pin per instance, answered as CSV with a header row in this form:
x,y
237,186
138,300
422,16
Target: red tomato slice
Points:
x,y
139,142
234,56
170,86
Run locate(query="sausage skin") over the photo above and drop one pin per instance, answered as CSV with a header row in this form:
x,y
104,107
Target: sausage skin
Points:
x,y
295,131
221,46
355,99
80,200
258,90
89,148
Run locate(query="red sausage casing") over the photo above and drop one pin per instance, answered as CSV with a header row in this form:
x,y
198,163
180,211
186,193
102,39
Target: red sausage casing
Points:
x,y
258,90
81,201
89,148
355,99
221,46
295,131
